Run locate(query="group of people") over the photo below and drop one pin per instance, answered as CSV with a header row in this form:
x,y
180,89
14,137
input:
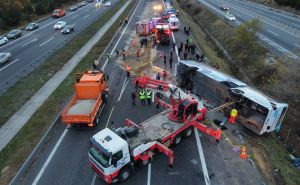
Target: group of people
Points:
x,y
143,94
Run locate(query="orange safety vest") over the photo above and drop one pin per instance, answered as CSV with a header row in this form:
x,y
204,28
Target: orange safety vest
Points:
x,y
234,113
128,68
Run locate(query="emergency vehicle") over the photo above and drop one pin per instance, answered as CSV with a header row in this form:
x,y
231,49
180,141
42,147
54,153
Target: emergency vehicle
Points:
x,y
113,155
173,22
163,33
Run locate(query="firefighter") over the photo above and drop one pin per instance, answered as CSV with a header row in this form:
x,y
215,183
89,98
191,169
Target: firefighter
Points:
x,y
142,96
171,61
124,54
233,116
165,61
158,76
149,96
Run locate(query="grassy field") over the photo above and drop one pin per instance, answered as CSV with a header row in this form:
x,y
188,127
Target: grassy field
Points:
x,y
13,156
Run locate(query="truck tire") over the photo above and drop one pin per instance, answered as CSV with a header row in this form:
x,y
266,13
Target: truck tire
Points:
x,y
96,120
177,139
125,174
188,132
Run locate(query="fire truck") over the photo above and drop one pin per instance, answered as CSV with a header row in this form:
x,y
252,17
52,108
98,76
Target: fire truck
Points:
x,y
113,155
163,33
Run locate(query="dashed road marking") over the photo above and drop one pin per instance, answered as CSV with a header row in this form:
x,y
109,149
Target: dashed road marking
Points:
x,y
86,16
149,174
9,64
47,41
33,40
75,16
109,116
272,32
94,179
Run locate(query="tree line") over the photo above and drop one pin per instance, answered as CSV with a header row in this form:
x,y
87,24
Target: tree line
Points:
x,y
291,3
13,12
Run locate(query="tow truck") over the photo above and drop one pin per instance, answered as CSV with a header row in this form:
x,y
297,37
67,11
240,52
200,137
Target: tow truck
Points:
x,y
113,155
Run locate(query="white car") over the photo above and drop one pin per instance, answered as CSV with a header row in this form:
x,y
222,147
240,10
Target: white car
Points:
x,y
4,57
107,3
59,25
230,17
3,40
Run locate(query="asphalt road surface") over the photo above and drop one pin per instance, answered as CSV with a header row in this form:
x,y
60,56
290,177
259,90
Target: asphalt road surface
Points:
x,y
63,159
279,31
35,46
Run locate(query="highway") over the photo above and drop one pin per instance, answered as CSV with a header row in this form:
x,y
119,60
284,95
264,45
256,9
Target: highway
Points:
x,y
34,47
63,158
281,32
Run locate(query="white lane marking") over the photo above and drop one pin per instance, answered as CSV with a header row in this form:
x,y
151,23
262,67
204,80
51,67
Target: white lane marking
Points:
x,y
33,40
75,16
149,174
109,116
152,96
36,180
123,89
272,32
86,16
94,179
112,51
47,41
9,64
202,159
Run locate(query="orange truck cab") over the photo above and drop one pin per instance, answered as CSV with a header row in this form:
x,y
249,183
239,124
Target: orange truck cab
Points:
x,y
90,93
58,13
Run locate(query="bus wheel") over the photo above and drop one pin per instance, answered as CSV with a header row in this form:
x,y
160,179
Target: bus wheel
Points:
x,y
124,174
177,139
188,132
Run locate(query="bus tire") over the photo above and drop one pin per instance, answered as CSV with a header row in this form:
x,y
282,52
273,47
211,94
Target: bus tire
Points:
x,y
125,174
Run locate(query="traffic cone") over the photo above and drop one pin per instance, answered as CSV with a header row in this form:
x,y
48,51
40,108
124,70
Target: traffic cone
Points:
x,y
243,154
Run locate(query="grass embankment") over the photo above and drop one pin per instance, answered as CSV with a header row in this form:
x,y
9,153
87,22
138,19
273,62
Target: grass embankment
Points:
x,y
13,156
278,78
22,91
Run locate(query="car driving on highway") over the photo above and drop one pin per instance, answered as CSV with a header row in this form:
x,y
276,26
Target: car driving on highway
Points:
x,y
68,29
4,57
230,17
107,3
32,26
3,40
58,13
224,8
59,25
14,34
73,8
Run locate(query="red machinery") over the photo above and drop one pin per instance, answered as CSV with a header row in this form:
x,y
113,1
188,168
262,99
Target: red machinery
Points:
x,y
163,33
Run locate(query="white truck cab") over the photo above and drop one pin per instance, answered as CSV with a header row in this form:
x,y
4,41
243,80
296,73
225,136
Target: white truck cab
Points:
x,y
108,154
173,22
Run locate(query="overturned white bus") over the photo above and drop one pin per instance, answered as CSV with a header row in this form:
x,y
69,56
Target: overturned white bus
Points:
x,y
257,111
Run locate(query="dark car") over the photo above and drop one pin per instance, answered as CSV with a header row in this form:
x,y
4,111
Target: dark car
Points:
x,y
68,29
89,1
14,34
32,26
224,8
73,8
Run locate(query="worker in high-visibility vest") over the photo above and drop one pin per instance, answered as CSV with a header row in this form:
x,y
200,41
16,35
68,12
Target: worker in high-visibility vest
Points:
x,y
142,97
149,96
128,69
233,116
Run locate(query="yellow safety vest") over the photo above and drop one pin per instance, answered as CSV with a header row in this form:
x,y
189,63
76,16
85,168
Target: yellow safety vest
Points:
x,y
142,95
149,94
233,112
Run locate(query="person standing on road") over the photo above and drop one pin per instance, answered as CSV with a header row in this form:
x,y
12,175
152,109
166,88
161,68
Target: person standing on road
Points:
x,y
133,96
185,54
128,69
138,53
108,56
171,61
96,65
120,23
233,116
158,76
126,20
142,96
117,53
149,96
165,61
124,54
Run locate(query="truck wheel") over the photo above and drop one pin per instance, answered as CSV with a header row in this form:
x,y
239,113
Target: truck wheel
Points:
x,y
188,132
96,121
124,174
177,139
